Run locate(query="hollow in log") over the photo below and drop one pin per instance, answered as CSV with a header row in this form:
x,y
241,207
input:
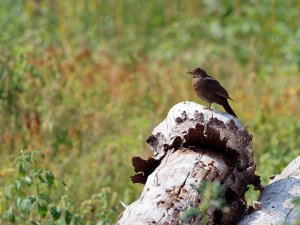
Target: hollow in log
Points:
x,y
192,145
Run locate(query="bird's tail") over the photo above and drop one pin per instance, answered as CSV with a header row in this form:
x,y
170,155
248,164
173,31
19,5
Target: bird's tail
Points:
x,y
227,108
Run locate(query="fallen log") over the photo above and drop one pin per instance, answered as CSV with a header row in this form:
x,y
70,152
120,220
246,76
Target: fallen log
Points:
x,y
277,199
193,145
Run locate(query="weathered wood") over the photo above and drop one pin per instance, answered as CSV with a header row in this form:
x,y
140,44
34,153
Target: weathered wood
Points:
x,y
191,145
277,199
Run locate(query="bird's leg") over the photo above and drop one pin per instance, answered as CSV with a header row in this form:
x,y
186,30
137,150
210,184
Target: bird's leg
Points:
x,y
212,111
208,107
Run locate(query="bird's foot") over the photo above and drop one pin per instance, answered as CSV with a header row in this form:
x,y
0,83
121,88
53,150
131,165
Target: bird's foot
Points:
x,y
210,109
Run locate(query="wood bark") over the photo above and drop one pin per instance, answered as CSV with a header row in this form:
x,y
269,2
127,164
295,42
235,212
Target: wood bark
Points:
x,y
277,199
193,144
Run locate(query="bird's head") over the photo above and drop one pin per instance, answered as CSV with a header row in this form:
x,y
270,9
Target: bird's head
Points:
x,y
198,72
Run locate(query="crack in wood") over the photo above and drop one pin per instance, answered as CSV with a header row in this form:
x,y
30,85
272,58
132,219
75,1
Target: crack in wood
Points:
x,y
191,147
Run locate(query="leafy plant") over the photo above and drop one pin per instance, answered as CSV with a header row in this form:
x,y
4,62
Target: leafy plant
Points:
x,y
210,193
29,197
89,81
100,207
251,194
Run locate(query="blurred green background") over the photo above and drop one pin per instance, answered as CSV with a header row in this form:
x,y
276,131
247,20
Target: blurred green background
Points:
x,y
87,81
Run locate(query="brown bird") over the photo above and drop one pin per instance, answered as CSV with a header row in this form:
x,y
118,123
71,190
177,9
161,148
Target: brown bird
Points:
x,y
210,90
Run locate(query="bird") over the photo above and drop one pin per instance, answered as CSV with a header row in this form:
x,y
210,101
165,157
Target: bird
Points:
x,y
210,90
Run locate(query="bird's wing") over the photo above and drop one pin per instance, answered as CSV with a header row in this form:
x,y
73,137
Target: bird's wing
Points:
x,y
213,84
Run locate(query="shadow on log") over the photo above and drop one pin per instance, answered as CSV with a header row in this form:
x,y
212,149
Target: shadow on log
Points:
x,y
192,145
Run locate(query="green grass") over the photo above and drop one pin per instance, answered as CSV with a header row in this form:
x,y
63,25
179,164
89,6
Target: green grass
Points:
x,y
86,81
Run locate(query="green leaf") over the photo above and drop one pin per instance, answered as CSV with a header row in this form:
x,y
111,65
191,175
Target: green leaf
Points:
x,y
8,191
49,178
42,209
296,201
55,212
19,202
46,198
21,168
26,204
33,223
37,153
11,215
42,179
28,180
188,214
68,217
53,223
77,220
63,183
35,173
17,185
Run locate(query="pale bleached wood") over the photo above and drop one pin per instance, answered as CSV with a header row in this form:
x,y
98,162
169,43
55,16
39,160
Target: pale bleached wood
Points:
x,y
194,144
181,118
169,189
277,199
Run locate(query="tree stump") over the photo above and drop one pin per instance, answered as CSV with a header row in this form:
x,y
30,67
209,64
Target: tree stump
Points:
x,y
192,145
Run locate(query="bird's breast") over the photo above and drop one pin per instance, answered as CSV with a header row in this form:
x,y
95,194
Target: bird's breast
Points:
x,y
201,90
197,83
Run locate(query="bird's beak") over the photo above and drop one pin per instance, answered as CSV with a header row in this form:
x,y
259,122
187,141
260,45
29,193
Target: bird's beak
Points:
x,y
189,72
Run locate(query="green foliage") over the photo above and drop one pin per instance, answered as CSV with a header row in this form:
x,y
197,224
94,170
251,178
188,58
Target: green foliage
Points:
x,y
100,207
211,197
87,82
29,197
251,194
